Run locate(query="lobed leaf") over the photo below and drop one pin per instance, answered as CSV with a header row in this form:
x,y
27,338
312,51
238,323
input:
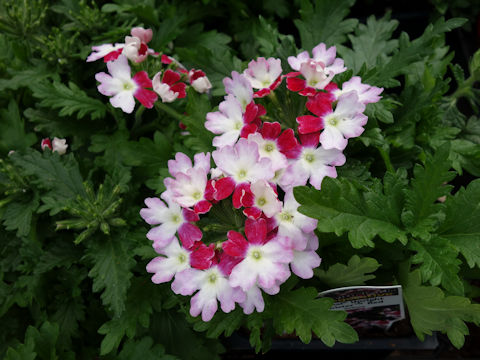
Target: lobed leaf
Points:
x,y
461,225
300,311
430,310
356,272
362,212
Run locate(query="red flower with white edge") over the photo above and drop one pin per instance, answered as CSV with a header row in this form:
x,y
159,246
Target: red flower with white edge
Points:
x,y
108,52
232,121
123,88
316,77
169,86
265,200
320,104
46,144
275,145
264,261
199,81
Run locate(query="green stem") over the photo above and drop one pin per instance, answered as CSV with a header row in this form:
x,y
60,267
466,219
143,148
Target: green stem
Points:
x,y
165,108
138,118
464,88
386,159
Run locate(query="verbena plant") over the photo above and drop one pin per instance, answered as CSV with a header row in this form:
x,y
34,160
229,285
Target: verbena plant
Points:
x,y
232,143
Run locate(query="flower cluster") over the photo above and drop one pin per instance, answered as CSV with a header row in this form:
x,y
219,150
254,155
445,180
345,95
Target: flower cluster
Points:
x,y
228,232
58,145
123,89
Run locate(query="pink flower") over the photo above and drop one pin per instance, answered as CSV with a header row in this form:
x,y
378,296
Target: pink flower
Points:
x,y
345,122
264,262
168,87
293,224
304,261
264,74
108,52
316,78
275,146
171,219
212,285
188,190
320,54
175,259
232,121
242,162
313,164
239,87
122,88
366,94
136,48
265,200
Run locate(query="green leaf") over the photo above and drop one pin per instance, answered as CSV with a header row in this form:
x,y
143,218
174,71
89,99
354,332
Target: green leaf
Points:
x,y
111,272
461,226
142,298
58,175
151,155
409,52
354,273
371,43
170,328
430,310
300,311
381,110
362,212
45,340
198,106
222,323
324,22
21,352
69,99
18,216
25,77
439,263
422,212
143,349
12,130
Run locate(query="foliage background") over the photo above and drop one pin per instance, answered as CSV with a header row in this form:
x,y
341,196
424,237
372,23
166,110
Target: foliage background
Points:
x,y
73,255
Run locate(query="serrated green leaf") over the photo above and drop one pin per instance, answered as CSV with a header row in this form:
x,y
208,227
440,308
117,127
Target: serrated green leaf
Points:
x,y
69,99
409,52
221,323
44,339
430,310
324,22
25,77
12,130
141,300
461,225
422,212
371,43
439,263
18,216
197,109
111,272
364,213
300,311
354,273
143,349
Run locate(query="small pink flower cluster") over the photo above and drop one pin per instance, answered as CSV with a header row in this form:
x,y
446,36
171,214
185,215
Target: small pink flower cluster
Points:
x,y
123,89
257,165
